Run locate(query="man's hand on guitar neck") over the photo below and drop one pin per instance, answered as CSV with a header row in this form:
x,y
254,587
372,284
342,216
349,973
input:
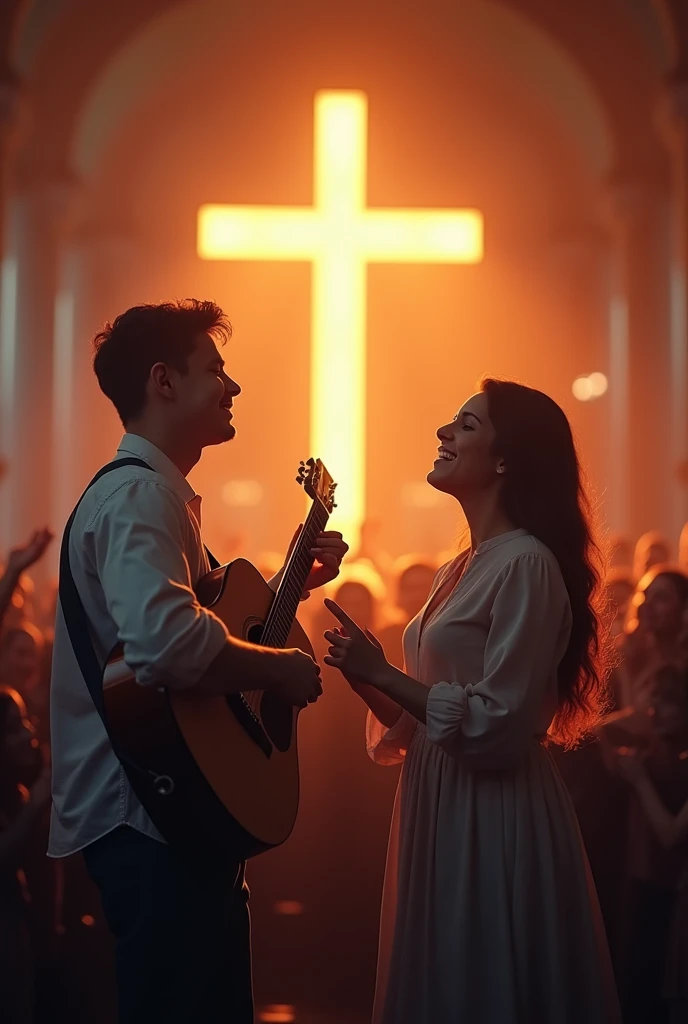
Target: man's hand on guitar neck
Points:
x,y
330,548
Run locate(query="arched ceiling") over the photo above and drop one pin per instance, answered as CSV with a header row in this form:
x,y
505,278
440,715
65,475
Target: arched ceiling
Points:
x,y
529,54
603,59
653,19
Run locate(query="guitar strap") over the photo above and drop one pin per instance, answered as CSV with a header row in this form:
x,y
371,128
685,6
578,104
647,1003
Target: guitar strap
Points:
x,y
74,613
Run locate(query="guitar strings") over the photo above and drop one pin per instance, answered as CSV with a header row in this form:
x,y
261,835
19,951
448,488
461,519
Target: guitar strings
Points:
x,y
280,619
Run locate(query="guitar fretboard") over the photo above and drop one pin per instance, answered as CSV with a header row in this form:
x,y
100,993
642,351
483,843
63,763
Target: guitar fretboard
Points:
x,y
283,610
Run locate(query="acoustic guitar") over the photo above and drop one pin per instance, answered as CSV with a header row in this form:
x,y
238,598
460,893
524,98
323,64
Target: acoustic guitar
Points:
x,y
219,775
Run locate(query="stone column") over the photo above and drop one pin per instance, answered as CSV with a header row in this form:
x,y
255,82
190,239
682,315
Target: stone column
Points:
x,y
640,354
673,124
99,280
579,264
12,119
38,218
11,107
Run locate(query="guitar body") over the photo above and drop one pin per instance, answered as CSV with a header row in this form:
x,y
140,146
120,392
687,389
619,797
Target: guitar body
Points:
x,y
218,775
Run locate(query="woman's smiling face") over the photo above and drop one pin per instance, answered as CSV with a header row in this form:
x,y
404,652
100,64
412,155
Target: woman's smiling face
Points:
x,y
466,463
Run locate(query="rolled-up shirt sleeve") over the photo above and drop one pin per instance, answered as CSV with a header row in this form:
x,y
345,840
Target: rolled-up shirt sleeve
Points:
x,y
138,539
491,723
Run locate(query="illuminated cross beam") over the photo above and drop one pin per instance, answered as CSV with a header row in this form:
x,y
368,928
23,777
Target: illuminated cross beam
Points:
x,y
340,236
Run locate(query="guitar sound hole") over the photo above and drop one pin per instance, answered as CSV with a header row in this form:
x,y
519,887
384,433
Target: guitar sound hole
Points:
x,y
276,716
255,634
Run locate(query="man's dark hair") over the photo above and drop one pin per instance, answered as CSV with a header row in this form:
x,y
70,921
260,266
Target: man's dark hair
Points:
x,y
126,349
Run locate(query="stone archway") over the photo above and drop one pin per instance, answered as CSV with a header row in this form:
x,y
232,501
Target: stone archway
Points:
x,y
62,121
149,66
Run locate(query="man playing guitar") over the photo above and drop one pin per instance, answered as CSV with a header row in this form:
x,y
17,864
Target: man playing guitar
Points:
x,y
135,554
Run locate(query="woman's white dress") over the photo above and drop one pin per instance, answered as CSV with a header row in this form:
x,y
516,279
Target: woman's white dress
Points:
x,y
489,911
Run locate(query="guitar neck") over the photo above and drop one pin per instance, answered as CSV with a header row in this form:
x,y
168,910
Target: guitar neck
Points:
x,y
283,609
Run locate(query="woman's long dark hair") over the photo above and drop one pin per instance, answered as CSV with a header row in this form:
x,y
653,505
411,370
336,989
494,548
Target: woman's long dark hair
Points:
x,y
543,493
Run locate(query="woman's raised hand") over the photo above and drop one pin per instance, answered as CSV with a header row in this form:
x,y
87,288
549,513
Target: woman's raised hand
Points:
x,y
354,651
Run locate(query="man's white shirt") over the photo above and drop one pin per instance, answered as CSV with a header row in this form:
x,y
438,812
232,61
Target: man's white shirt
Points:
x,y
136,555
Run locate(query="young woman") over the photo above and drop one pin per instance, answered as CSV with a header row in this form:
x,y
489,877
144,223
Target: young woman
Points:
x,y
489,913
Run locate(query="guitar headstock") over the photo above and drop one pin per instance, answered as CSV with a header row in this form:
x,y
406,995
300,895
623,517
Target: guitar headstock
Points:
x,y
317,483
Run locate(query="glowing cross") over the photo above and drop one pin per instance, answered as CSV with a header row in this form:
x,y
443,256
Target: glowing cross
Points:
x,y
339,235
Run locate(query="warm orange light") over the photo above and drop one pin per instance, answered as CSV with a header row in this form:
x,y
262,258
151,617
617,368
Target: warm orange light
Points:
x,y
278,1013
340,236
593,386
598,384
289,908
581,389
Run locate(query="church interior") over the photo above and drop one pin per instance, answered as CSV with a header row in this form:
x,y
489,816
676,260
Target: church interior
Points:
x,y
390,201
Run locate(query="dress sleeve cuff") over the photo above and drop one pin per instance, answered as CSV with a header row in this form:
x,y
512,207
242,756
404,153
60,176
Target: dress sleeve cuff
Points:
x,y
389,746
445,710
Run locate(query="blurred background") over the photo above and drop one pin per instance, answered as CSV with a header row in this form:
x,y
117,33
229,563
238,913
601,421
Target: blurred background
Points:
x,y
565,126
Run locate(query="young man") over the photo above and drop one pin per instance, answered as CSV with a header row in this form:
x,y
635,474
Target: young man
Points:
x,y
135,554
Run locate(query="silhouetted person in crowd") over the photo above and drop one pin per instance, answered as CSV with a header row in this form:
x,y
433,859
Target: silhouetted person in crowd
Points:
x,y
656,974
413,581
21,667
24,800
683,549
655,636
20,559
371,549
651,549
619,588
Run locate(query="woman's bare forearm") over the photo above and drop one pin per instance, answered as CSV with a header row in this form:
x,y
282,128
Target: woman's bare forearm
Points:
x,y
404,690
383,707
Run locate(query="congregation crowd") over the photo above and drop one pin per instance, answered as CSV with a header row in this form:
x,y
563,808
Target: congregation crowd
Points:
x,y
628,782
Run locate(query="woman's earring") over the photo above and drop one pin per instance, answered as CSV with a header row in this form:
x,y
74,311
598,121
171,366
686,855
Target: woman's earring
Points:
x,y
500,469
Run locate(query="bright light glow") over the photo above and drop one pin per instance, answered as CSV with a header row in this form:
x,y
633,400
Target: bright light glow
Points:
x,y
581,389
242,493
598,384
278,1013
340,236
417,494
289,908
593,386
8,353
8,344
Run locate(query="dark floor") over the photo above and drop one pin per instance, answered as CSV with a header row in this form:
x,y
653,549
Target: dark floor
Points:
x,y
271,1015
